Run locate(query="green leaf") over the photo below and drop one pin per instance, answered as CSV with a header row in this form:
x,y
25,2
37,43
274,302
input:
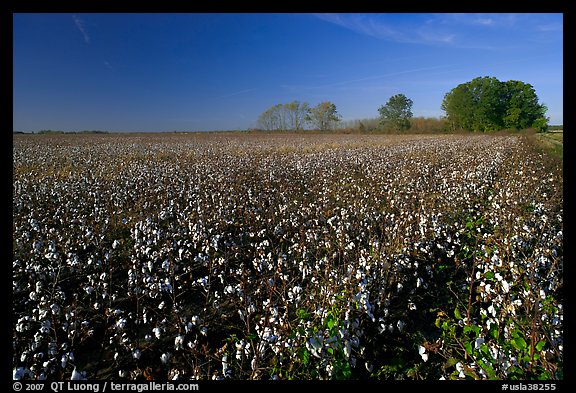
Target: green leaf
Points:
x,y
252,336
468,347
545,376
305,357
519,343
472,328
457,313
494,331
540,345
490,275
487,368
302,314
438,322
330,322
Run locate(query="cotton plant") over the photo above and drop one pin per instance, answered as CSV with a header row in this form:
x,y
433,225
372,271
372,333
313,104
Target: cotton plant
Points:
x,y
221,257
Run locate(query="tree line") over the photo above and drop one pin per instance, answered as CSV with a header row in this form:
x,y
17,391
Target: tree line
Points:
x,y
483,104
296,115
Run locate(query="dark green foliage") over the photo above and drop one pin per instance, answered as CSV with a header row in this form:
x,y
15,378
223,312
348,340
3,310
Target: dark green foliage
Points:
x,y
397,112
487,104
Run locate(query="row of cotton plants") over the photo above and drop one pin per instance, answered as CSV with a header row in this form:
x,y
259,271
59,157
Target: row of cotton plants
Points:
x,y
221,256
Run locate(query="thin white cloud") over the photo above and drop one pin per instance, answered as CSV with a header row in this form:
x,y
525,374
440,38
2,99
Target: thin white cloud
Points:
x,y
366,24
236,93
551,27
80,25
388,75
475,19
485,21
458,30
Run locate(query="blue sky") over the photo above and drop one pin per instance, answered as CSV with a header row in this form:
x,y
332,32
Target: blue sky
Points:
x,y
166,72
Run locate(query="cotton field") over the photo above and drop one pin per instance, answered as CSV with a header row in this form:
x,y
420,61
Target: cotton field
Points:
x,y
286,256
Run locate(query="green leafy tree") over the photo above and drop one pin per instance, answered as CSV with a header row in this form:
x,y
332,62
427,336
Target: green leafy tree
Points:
x,y
523,110
487,104
397,112
490,103
323,116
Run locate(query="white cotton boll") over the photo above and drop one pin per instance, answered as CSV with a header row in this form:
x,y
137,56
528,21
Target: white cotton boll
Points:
x,y
422,353
419,282
45,327
42,312
460,369
478,343
166,265
121,323
188,327
347,349
157,332
55,309
314,346
63,361
136,353
400,325
178,342
165,358
77,375
369,366
18,373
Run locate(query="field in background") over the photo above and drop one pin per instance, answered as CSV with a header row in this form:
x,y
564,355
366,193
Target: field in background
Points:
x,y
551,143
286,256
